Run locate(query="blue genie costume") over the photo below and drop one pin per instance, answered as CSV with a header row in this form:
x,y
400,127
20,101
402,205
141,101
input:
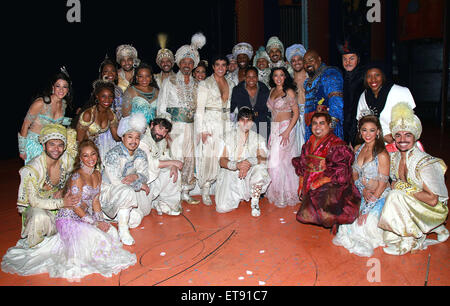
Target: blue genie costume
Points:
x,y
325,89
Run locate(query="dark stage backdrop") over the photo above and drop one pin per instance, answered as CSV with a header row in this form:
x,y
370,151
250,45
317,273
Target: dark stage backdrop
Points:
x,y
37,40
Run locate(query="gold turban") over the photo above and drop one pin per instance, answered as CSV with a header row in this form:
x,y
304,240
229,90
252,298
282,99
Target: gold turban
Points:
x,y
404,119
163,52
53,131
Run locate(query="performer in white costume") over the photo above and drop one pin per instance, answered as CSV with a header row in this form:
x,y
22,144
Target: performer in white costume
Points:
x,y
417,204
177,103
212,122
275,50
124,187
243,174
42,181
163,170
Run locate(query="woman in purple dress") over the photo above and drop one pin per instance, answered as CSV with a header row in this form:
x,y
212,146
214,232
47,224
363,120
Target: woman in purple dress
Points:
x,y
282,141
85,243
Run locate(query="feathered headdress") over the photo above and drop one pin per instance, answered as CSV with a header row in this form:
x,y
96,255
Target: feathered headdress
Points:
x,y
198,40
243,48
135,122
404,119
163,52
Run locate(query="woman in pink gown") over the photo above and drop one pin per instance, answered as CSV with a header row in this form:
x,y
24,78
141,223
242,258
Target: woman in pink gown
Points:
x,y
282,141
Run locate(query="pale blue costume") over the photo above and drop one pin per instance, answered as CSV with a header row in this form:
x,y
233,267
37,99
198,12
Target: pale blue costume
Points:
x,y
30,144
363,239
144,103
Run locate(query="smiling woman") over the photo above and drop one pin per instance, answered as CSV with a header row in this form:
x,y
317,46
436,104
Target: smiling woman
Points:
x,y
380,96
50,107
99,118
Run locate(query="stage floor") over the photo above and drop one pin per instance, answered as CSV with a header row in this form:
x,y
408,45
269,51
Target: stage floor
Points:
x,y
204,248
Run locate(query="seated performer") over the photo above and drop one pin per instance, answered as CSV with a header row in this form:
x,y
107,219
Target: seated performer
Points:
x,y
163,170
42,181
417,204
371,175
327,192
85,243
243,174
124,182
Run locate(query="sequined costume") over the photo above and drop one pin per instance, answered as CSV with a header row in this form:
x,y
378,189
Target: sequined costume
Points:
x,y
116,195
137,101
36,200
282,191
117,103
102,137
30,144
78,249
326,84
405,220
363,239
177,103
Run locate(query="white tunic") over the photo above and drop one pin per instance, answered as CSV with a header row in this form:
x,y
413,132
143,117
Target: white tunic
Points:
x,y
212,116
114,194
164,193
176,103
230,188
396,94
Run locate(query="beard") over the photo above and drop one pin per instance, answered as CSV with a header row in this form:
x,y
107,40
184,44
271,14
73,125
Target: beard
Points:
x,y
156,137
53,156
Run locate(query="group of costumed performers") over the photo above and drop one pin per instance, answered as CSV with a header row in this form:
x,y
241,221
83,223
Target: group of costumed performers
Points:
x,y
343,145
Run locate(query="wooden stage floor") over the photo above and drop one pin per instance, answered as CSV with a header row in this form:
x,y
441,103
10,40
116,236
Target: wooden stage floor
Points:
x,y
204,248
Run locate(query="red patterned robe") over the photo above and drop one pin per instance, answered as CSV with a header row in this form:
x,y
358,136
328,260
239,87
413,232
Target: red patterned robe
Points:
x,y
329,195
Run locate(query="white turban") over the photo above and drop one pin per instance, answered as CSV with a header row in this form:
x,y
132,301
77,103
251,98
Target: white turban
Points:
x,y
260,53
191,51
295,50
274,43
135,122
124,51
243,48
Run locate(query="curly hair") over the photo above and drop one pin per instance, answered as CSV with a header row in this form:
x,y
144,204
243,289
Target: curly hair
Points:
x,y
143,65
